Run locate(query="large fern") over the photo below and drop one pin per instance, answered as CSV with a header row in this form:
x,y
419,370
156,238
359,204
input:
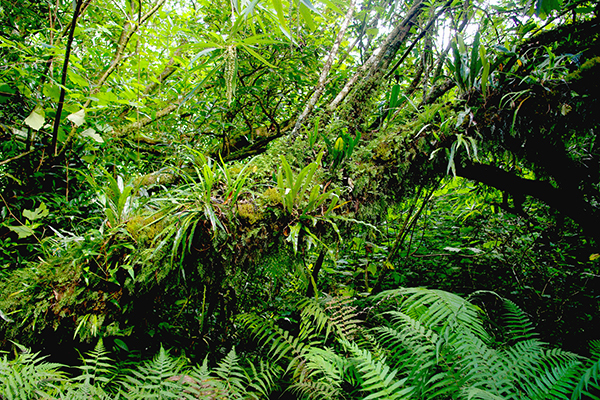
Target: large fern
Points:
x,y
466,362
28,376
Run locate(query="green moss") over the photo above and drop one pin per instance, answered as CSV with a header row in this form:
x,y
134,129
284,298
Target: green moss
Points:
x,y
144,228
588,67
272,196
155,178
249,213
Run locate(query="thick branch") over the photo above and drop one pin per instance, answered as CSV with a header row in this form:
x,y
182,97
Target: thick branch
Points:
x,y
142,122
396,37
568,202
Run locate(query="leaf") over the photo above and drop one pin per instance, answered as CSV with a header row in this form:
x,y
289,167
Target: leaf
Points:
x,y
279,9
35,120
121,344
333,6
78,80
40,212
5,317
78,118
453,249
394,96
257,56
51,91
307,17
23,231
91,133
294,236
544,7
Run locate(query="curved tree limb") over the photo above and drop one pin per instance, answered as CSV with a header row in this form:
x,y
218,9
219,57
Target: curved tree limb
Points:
x,y
568,202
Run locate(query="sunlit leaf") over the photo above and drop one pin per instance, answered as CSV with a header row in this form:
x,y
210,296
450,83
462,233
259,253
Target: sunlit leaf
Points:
x,y
77,118
40,212
35,120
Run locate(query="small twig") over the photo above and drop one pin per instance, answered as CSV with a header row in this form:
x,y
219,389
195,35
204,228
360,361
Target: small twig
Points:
x,y
15,157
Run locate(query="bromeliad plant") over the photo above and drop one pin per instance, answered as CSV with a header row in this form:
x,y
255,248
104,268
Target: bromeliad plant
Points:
x,y
294,191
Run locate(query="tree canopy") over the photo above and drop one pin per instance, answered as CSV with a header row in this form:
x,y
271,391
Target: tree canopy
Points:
x,y
213,176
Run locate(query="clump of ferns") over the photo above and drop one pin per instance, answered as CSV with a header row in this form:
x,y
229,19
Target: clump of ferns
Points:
x,y
164,377
430,344
308,353
438,342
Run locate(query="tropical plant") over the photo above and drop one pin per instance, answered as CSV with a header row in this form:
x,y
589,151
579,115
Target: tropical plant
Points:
x,y
428,344
29,376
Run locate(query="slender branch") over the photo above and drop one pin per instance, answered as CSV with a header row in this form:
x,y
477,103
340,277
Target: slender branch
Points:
x,y
15,157
169,69
128,30
414,43
324,72
61,99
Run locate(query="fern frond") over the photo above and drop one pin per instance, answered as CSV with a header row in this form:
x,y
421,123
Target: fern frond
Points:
x,y
411,347
325,365
262,380
476,393
483,367
233,376
29,376
518,323
203,385
97,368
314,390
282,343
556,382
437,309
159,378
591,373
334,314
378,379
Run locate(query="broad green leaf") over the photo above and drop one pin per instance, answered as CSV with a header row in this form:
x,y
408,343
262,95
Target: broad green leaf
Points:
x,y
78,80
77,118
51,91
35,120
23,231
91,133
40,212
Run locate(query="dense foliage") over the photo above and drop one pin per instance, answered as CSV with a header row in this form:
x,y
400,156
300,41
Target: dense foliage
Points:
x,y
267,189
